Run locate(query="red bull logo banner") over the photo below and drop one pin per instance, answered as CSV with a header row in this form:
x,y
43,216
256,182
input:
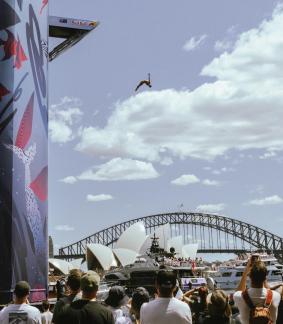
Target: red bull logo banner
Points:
x,y
23,146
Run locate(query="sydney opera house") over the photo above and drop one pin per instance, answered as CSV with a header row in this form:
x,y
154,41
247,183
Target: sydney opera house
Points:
x,y
132,245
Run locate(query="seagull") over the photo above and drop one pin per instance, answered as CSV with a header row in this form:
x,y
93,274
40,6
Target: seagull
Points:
x,y
146,82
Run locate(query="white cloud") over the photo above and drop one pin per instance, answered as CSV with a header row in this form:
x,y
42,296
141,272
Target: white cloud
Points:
x,y
95,198
120,169
185,179
227,43
223,170
210,208
224,45
65,228
208,182
240,110
62,118
166,161
258,189
272,200
194,42
69,180
268,155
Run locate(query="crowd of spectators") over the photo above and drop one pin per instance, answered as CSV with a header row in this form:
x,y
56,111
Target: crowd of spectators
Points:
x,y
183,262
257,304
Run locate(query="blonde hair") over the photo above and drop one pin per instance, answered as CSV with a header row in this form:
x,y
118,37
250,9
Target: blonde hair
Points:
x,y
218,304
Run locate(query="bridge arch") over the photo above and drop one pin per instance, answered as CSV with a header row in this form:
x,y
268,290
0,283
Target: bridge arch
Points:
x,y
257,238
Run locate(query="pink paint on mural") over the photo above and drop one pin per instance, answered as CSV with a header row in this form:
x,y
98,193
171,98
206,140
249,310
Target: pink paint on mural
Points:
x,y
13,47
19,55
44,3
3,91
39,185
25,128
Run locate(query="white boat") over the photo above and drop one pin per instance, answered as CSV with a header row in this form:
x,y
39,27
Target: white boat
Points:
x,y
229,276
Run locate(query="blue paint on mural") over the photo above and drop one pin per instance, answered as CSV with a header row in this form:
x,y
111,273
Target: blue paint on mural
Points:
x,y
23,146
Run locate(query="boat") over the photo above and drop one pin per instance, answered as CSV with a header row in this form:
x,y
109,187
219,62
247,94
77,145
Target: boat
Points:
x,y
140,273
229,275
144,270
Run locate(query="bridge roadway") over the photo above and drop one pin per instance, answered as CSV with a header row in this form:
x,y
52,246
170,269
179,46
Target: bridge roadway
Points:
x,y
214,233
216,251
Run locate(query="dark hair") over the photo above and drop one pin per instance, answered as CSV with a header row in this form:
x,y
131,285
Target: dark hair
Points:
x,y
74,279
139,297
22,289
258,273
45,305
166,281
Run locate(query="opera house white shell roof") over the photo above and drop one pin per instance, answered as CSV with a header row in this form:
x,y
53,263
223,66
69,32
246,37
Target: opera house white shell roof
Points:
x,y
132,238
125,256
163,235
60,265
99,257
77,263
132,243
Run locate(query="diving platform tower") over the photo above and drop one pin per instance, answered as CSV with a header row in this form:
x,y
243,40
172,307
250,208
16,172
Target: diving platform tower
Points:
x,y
25,27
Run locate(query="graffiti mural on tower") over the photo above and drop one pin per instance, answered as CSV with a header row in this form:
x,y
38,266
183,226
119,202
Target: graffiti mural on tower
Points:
x,y
23,146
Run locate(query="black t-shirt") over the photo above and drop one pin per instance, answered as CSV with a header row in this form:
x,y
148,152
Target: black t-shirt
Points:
x,y
215,320
85,312
59,306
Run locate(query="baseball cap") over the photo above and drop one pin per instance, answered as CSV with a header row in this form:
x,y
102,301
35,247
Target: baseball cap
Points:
x,y
22,289
166,278
90,281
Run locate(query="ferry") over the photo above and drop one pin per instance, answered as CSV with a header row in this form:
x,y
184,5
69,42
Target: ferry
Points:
x,y
229,276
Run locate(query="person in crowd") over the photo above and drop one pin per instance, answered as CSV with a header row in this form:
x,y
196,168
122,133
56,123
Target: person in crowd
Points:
x,y
165,309
20,311
196,299
86,310
73,290
234,310
279,288
60,288
116,302
46,315
249,300
178,293
140,296
218,309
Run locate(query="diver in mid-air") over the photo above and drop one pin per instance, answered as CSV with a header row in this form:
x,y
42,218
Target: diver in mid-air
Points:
x,y
146,82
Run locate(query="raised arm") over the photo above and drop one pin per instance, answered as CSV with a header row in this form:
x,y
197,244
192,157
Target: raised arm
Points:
x,y
243,282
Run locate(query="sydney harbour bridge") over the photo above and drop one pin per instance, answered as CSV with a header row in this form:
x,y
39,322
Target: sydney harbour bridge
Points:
x,y
213,233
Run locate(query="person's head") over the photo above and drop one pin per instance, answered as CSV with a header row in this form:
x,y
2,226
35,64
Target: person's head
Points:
x,y
258,274
203,292
74,280
218,304
45,305
89,284
166,282
116,297
139,297
21,291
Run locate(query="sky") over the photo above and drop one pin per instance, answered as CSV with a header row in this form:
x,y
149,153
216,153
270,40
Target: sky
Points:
x,y
208,135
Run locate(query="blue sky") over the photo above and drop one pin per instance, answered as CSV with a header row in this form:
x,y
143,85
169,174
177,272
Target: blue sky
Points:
x,y
207,135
